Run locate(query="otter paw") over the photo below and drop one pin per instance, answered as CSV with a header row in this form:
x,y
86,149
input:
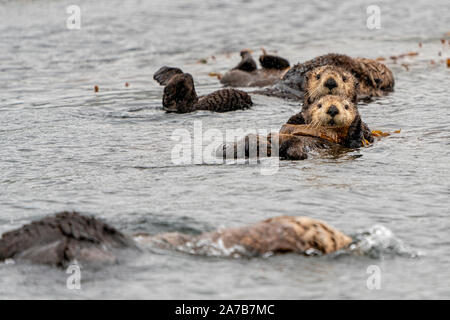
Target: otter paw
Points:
x,y
251,146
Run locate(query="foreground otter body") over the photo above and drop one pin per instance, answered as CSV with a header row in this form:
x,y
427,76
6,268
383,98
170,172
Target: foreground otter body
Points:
x,y
59,239
246,73
180,95
332,122
275,235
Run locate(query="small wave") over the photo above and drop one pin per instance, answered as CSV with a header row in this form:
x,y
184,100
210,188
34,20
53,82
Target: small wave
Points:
x,y
378,242
7,261
206,247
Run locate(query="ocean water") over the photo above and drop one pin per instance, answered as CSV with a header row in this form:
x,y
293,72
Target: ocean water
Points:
x,y
109,154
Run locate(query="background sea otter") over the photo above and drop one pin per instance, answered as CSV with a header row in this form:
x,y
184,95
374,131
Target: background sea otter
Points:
x,y
330,122
180,95
246,73
60,239
375,78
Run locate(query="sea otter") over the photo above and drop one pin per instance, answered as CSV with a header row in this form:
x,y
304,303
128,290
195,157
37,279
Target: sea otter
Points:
x,y
246,73
64,237
329,80
374,78
60,239
330,122
180,95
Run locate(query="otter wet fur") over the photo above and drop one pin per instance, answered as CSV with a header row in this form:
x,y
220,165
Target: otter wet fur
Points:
x,y
329,80
62,238
331,122
180,95
375,78
246,73
276,235
59,239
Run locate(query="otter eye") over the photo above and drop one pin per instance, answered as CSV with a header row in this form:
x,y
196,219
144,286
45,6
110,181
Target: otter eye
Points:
x,y
344,78
346,107
318,77
319,106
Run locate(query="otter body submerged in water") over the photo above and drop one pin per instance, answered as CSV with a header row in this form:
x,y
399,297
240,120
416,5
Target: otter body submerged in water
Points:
x,y
59,239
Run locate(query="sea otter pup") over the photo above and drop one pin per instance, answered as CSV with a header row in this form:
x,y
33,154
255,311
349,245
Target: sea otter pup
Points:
x,y
374,78
246,74
180,95
68,236
331,122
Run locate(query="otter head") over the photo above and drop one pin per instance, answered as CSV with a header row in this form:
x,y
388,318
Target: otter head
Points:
x,y
179,94
329,80
331,112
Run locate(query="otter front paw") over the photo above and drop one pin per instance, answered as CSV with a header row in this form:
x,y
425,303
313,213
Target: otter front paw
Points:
x,y
296,119
292,149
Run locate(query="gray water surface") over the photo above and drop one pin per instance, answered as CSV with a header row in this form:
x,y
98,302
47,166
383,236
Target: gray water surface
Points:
x,y
108,154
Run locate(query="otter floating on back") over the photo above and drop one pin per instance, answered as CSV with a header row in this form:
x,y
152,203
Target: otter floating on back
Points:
x,y
246,73
68,236
331,122
180,95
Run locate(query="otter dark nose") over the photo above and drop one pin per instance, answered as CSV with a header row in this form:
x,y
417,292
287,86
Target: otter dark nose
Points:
x,y
331,83
332,111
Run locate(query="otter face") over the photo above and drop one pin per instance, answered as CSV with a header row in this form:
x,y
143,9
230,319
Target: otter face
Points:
x,y
332,112
329,80
179,94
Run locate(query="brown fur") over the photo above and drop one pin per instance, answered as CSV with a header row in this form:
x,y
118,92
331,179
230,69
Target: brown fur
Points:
x,y
247,63
330,122
329,80
180,96
375,78
59,239
316,86
68,236
275,235
246,74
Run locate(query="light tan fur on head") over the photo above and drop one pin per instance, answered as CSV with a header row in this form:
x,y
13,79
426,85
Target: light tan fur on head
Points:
x,y
331,112
328,80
